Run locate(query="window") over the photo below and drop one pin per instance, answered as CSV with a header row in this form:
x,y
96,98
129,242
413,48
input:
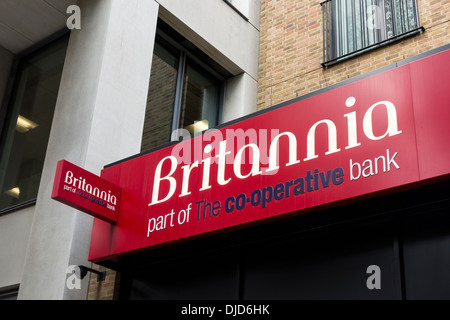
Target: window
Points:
x,y
184,92
9,293
351,27
26,128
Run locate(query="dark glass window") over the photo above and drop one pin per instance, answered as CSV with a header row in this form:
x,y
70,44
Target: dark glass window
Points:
x,y
354,26
27,125
183,92
201,96
161,98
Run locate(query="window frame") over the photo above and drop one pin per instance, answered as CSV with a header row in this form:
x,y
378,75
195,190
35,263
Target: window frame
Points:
x,y
184,54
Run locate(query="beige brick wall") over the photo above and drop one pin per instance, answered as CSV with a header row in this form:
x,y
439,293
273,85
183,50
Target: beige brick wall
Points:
x,y
160,100
291,48
107,289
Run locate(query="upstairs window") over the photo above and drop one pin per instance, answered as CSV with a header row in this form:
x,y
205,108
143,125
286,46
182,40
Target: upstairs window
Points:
x,y
185,92
352,27
26,127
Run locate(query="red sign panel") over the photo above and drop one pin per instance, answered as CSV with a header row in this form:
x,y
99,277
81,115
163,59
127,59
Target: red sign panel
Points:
x,y
86,192
375,135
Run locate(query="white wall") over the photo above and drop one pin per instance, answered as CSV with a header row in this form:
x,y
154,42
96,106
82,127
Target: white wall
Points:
x,y
218,30
14,234
98,119
251,9
240,97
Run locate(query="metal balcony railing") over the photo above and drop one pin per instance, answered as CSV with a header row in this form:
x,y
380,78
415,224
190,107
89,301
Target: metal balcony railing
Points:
x,y
352,27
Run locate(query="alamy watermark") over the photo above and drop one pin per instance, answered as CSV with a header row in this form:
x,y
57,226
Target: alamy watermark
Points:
x,y
375,14
250,146
374,280
74,20
374,17
73,281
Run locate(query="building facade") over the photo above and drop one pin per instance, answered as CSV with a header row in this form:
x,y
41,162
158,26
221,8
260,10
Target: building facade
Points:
x,y
104,74
132,73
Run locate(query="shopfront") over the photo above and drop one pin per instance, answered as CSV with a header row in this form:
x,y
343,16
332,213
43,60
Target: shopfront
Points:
x,y
321,255
341,194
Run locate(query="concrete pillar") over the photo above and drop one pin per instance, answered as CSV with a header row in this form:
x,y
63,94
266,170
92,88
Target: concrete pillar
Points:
x,y
240,97
98,120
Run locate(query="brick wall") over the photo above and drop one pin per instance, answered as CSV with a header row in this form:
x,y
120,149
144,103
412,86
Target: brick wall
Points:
x,y
107,289
160,100
291,48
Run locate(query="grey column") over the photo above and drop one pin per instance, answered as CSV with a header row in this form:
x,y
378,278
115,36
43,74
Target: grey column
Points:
x,y
98,120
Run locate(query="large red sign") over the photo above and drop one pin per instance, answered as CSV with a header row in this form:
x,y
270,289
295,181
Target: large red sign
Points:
x,y
379,134
86,192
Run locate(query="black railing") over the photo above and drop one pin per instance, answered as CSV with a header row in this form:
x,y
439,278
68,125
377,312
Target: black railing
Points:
x,y
352,27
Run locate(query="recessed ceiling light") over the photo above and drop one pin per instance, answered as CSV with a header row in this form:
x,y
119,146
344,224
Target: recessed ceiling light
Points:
x,y
24,125
14,192
198,126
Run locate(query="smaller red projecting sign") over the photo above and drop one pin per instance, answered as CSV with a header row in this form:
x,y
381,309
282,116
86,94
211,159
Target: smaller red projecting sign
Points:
x,y
86,192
